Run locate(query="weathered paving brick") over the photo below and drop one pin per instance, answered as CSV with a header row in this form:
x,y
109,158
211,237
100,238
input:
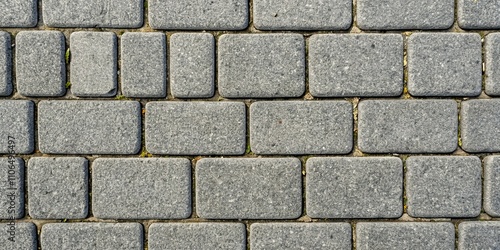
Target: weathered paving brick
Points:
x,y
492,185
138,188
480,125
443,186
196,128
11,188
230,236
57,187
5,64
17,122
89,127
18,236
301,127
492,57
479,235
367,187
192,65
18,13
356,65
444,64
248,188
407,126
478,14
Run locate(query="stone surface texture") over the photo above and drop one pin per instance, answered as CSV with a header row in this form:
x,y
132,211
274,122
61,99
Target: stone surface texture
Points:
x,y
479,235
478,14
20,236
5,64
491,199
480,125
17,124
18,13
12,188
492,64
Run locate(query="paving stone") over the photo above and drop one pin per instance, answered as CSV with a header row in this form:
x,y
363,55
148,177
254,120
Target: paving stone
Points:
x,y
138,188
89,127
405,235
367,187
192,52
5,64
17,121
198,14
197,236
40,63
443,186
479,235
478,14
11,188
58,187
407,126
492,55
18,13
18,236
300,236
301,127
93,64
248,188
356,65
480,125
261,66
196,128
491,187
405,15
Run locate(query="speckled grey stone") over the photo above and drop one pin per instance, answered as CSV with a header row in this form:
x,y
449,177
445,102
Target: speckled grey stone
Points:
x,y
18,13
407,126
356,65
301,127
196,128
405,15
18,236
230,236
58,187
92,235
479,235
248,188
443,186
192,65
491,199
444,64
198,14
300,236
141,188
17,120
40,63
302,15
354,187
11,188
476,14
480,125
492,57
5,64
405,235
93,63
89,127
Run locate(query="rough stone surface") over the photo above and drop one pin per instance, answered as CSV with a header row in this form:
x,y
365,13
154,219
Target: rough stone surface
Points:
x,y
301,127
18,13
491,187
261,65
11,188
407,126
17,121
5,64
479,235
18,236
367,187
480,126
89,127
478,14
492,57
356,65
248,188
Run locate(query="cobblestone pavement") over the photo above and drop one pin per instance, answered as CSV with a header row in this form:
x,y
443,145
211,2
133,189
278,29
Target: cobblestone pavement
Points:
x,y
249,124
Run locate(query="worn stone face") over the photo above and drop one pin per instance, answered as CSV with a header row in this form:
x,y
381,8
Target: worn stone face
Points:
x,y
11,188
5,64
492,64
491,186
478,235
18,13
19,236
478,14
480,126
17,125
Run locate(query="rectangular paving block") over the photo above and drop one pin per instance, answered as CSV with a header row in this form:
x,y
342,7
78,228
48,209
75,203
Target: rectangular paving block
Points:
x,y
140,188
407,126
196,128
5,64
301,127
18,13
492,64
261,65
17,125
11,188
354,187
18,236
230,236
248,188
89,127
480,125
356,65
479,235
474,14
491,188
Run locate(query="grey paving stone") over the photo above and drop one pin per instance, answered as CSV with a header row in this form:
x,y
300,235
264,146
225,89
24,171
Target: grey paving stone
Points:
x,y
198,14
491,187
302,15
231,236
405,235
300,236
196,128
443,186
91,236
192,52
5,64
12,188
93,63
407,126
144,64
405,15
478,14
40,63
301,127
248,188
492,55
367,187
356,65
261,65
89,127
17,121
18,13
138,188
444,64
58,187
480,125
479,235
18,236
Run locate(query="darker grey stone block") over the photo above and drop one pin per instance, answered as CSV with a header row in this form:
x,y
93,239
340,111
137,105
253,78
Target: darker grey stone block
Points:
x,y
491,187
11,188
492,57
18,13
478,14
17,121
5,64
18,236
480,125
479,235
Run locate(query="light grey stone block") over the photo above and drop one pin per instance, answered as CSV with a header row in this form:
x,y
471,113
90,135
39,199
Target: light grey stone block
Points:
x,y
248,188
5,64
480,125
89,127
301,127
356,65
18,13
473,14
17,122
261,65
479,235
492,57
11,188
407,126
491,200
18,236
